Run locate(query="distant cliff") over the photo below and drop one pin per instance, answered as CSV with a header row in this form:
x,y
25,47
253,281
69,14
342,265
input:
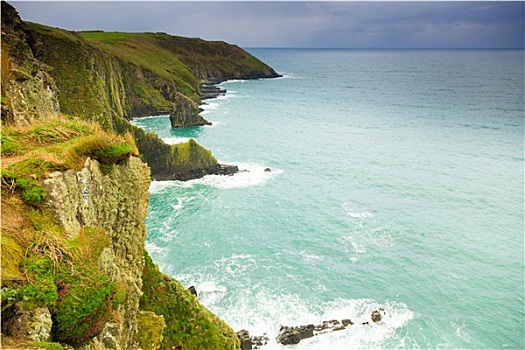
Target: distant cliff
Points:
x,y
114,77
75,188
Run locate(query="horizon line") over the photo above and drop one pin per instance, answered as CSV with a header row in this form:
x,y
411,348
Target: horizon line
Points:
x,y
380,48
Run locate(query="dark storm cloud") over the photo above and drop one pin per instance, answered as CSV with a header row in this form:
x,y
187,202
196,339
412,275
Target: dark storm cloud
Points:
x,y
300,24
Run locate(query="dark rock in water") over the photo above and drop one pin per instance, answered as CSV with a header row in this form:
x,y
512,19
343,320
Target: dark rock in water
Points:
x,y
251,342
210,90
245,339
219,169
193,290
327,325
376,316
268,170
347,322
224,169
293,335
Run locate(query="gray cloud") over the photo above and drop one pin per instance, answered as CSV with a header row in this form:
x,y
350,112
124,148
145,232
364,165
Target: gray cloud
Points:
x,y
300,24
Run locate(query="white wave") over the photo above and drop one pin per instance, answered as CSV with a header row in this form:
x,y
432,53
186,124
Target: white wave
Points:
x,y
210,105
235,265
210,292
168,235
177,206
310,256
250,174
356,214
233,81
159,186
137,120
382,237
359,248
262,310
175,140
155,249
287,76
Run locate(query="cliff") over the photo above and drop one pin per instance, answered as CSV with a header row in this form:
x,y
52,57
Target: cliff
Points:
x,y
74,268
75,190
114,77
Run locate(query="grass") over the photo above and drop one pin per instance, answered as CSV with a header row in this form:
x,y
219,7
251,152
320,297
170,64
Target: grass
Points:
x,y
107,149
57,143
141,49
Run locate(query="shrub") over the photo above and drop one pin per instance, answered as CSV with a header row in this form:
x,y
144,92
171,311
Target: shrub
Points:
x,y
107,149
32,193
41,289
30,190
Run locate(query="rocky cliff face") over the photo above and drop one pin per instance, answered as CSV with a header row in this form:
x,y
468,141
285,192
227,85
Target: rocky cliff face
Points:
x,y
186,113
117,203
27,89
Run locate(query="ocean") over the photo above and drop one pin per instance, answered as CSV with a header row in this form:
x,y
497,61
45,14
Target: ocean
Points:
x,y
397,181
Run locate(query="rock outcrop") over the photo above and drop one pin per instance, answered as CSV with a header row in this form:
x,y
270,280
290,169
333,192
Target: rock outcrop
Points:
x,y
293,335
209,90
186,113
117,202
249,342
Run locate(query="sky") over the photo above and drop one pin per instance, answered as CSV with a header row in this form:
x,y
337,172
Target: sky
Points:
x,y
322,24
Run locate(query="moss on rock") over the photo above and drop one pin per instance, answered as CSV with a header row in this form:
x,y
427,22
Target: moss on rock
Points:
x,y
149,330
12,254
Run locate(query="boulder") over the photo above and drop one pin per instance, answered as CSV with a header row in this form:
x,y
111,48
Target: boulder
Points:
x,y
192,290
376,315
248,342
293,335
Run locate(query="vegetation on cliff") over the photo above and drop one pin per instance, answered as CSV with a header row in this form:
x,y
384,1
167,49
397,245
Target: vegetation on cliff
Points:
x,y
189,325
41,266
121,89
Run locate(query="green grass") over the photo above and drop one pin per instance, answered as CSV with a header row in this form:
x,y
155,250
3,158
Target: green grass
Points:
x,y
107,149
30,190
8,145
141,49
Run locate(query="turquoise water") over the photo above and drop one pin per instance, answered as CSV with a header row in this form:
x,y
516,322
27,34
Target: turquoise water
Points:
x,y
397,182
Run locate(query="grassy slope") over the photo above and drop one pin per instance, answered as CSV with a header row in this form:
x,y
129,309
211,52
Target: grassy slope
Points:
x,y
190,59
32,241
142,50
189,325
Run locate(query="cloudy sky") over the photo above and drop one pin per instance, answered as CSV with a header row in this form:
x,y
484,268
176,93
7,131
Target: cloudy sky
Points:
x,y
342,24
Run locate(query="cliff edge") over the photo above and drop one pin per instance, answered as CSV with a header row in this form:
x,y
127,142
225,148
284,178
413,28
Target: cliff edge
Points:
x,y
75,273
